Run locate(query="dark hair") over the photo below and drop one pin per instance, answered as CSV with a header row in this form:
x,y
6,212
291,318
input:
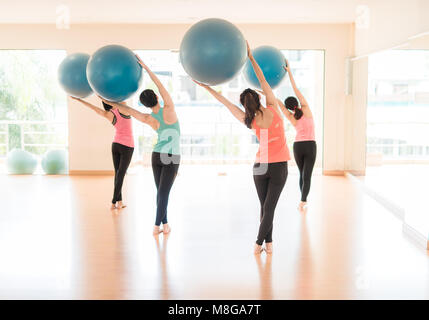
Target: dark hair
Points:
x,y
148,98
251,102
106,106
292,104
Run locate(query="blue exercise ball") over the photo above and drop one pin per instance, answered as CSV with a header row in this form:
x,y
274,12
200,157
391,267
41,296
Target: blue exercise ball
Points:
x,y
72,75
213,51
55,162
114,73
21,162
271,61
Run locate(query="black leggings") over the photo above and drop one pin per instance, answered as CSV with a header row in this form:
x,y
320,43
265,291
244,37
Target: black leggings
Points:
x,y
269,181
305,157
121,160
165,167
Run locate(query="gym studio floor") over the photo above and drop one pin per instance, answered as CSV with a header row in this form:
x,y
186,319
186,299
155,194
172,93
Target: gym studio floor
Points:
x,y
59,240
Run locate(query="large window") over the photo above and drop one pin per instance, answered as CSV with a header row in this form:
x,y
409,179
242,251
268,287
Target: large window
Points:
x,y
398,106
209,132
33,109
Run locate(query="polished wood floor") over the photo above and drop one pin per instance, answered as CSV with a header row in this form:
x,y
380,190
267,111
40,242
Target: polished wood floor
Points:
x,y
59,240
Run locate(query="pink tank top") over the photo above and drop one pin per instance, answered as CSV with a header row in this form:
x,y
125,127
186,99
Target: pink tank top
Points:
x,y
272,141
124,129
305,129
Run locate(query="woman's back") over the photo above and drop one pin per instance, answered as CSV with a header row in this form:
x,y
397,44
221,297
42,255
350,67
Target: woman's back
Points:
x,y
304,127
272,139
168,135
124,129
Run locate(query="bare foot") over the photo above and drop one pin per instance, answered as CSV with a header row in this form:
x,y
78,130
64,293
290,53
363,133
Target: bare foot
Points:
x,y
166,228
302,205
120,205
257,249
156,230
269,247
113,207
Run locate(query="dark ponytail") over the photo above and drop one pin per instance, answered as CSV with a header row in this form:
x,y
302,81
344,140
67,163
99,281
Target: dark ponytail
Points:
x,y
252,105
106,106
291,103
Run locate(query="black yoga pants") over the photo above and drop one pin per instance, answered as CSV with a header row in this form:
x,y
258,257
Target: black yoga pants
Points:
x,y
121,160
164,167
269,181
305,157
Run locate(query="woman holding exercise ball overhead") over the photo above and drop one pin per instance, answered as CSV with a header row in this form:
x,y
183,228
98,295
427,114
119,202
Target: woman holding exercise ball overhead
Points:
x,y
122,146
304,147
166,153
270,169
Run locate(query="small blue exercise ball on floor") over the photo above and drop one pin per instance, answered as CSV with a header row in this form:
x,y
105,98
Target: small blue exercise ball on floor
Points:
x,y
21,162
114,73
72,75
55,162
272,63
213,51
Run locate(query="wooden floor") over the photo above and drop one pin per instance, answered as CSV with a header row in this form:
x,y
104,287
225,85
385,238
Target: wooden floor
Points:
x,y
59,240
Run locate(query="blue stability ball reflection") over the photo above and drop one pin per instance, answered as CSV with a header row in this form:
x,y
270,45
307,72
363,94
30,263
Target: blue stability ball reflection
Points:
x,y
55,162
21,162
213,51
271,61
72,75
114,73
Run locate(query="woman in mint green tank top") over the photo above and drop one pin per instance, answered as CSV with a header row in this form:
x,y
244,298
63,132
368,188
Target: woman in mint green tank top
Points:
x,y
166,152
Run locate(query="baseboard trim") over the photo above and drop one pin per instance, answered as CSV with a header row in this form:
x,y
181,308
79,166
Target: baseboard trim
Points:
x,y
420,239
333,173
357,172
416,236
91,173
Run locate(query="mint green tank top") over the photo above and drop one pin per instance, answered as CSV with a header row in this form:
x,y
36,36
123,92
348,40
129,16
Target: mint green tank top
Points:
x,y
168,135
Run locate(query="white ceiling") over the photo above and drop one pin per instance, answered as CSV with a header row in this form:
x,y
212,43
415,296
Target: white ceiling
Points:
x,y
179,11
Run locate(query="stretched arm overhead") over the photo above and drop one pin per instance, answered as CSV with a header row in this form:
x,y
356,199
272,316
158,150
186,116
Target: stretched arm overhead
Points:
x,y
266,88
235,110
140,116
105,114
298,93
168,101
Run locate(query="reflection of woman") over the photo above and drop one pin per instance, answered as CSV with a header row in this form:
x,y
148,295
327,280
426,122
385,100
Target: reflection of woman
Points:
x,y
270,169
122,146
162,253
304,274
265,277
304,147
166,152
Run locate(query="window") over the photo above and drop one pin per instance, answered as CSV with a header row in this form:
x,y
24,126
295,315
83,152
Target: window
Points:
x,y
33,109
398,106
209,131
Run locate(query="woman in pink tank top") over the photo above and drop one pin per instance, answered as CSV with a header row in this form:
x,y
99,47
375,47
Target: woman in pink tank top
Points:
x,y
122,146
270,168
304,147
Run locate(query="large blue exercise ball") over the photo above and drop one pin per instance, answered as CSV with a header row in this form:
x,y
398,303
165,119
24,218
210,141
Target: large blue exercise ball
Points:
x,y
55,162
72,75
114,73
213,51
21,162
271,61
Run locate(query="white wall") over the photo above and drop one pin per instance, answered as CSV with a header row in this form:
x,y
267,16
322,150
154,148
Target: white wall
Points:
x,y
381,25
89,135
389,23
